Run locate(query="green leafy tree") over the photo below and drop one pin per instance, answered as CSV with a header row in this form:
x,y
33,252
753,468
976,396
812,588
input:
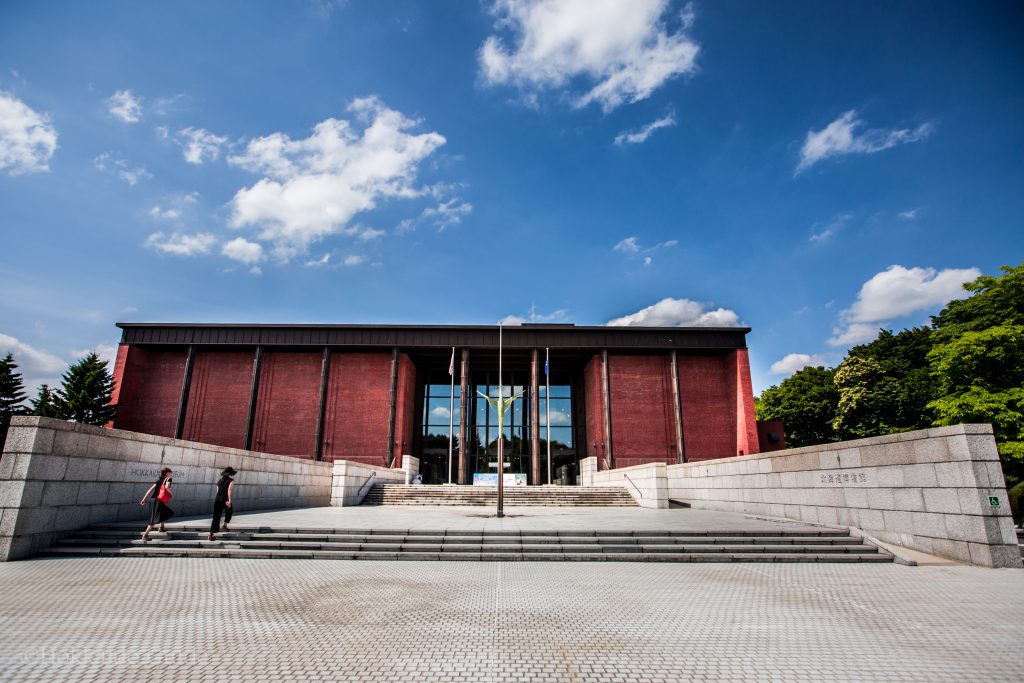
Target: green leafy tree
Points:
x,y
996,301
886,386
85,392
978,363
45,404
806,402
12,394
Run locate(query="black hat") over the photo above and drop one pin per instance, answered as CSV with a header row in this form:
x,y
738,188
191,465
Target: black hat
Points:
x,y
229,471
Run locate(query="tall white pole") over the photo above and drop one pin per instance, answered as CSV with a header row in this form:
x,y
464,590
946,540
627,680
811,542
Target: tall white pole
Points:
x,y
547,404
451,413
501,430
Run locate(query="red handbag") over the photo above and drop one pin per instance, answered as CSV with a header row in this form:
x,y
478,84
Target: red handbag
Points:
x,y
164,495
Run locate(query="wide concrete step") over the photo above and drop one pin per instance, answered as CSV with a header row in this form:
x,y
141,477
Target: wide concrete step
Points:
x,y
575,545
554,496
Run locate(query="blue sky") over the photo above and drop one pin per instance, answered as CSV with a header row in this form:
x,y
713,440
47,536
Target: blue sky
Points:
x,y
814,171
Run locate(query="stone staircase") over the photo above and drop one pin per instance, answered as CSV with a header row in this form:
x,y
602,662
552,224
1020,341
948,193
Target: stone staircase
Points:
x,y
551,496
825,545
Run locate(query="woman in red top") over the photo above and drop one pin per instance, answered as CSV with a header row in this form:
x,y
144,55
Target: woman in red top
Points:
x,y
159,512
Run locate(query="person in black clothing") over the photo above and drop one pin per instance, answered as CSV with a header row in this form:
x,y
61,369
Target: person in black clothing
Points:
x,y
159,512
222,501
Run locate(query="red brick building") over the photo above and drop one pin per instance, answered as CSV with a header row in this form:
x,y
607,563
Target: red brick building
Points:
x,y
370,393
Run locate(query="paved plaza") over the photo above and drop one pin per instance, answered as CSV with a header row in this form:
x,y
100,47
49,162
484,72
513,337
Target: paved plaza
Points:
x,y
142,619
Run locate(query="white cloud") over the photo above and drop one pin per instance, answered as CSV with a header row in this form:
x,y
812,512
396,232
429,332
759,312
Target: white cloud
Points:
x,y
162,214
838,138
623,50
180,244
320,262
125,106
910,214
895,292
448,213
27,140
354,260
313,187
671,312
794,362
827,231
441,412
121,168
200,144
106,352
627,246
29,359
557,315
631,245
635,137
364,234
241,249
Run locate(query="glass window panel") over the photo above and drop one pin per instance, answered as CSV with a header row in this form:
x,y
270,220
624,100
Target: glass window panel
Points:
x,y
561,439
561,391
440,390
438,411
561,413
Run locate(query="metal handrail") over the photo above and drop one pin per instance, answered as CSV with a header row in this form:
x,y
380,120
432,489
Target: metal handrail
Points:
x,y
368,480
634,485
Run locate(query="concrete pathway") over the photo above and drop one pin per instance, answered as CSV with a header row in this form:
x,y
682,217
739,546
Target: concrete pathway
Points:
x,y
162,620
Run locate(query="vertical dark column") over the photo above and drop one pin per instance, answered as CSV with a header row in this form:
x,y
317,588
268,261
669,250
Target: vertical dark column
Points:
x,y
465,404
393,401
677,409
186,386
325,373
606,400
254,391
534,419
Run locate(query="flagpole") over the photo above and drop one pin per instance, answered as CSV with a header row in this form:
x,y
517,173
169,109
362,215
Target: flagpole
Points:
x,y
547,405
501,430
451,413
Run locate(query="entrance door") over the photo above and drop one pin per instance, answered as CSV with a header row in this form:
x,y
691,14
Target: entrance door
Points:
x,y
483,449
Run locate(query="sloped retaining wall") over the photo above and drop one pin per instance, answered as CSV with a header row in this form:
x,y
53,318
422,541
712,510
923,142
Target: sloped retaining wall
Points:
x,y
353,480
58,476
648,484
939,491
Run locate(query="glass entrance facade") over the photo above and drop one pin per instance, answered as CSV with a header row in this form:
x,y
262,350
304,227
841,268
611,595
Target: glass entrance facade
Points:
x,y
482,428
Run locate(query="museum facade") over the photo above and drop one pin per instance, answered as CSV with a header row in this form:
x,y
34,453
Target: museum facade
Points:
x,y
371,393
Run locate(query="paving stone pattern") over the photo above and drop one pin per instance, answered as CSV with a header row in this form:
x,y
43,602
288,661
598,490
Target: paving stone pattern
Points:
x,y
145,620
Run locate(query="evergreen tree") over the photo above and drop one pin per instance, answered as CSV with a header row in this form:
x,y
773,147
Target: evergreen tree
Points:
x,y
85,392
45,404
12,394
12,390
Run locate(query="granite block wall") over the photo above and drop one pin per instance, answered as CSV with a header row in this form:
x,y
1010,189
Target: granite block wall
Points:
x,y
56,477
939,491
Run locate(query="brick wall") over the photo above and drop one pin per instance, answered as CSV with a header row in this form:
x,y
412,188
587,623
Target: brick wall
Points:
x,y
356,420
643,429
595,410
746,421
218,401
405,413
148,389
707,392
289,403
